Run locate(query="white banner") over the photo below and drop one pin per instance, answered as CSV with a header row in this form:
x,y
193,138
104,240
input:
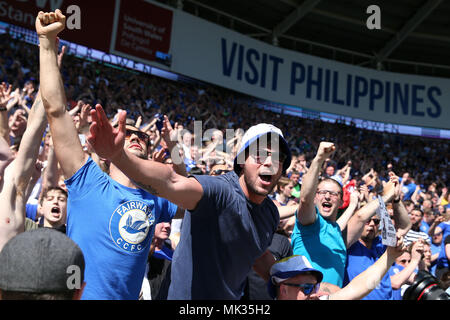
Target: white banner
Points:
x,y
211,53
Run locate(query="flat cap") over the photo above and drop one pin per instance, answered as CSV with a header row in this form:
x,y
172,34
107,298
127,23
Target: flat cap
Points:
x,y
41,261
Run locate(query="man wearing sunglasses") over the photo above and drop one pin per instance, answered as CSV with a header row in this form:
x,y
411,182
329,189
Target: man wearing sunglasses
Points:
x,y
110,218
229,220
368,249
218,170
136,142
294,278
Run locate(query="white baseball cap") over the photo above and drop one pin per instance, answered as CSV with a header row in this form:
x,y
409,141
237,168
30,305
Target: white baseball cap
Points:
x,y
257,131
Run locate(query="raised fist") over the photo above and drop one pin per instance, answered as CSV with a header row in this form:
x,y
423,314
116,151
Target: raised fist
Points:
x,y
325,150
49,24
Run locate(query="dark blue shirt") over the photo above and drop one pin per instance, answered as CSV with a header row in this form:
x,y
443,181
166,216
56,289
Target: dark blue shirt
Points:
x,y
220,241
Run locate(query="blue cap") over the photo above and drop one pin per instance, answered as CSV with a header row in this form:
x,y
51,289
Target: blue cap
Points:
x,y
256,132
290,267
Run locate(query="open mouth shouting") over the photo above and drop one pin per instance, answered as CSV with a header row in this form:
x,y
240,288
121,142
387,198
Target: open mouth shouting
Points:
x,y
266,179
327,206
56,212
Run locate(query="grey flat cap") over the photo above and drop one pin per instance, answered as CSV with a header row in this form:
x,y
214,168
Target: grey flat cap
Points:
x,y
41,261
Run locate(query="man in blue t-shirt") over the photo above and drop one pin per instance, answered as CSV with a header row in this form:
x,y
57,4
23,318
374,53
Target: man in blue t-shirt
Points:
x,y
408,186
369,248
229,220
110,218
362,254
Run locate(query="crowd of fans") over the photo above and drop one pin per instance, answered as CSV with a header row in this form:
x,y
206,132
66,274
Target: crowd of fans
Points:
x,y
361,163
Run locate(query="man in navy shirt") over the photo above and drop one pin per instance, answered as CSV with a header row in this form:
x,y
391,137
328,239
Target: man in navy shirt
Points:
x,y
229,220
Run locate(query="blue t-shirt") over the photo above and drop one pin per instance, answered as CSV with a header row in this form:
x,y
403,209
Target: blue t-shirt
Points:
x,y
359,258
408,190
113,225
396,268
434,249
165,253
31,211
424,227
322,244
220,241
442,259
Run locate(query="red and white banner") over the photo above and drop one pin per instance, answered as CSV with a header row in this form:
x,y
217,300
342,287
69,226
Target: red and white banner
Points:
x,y
141,29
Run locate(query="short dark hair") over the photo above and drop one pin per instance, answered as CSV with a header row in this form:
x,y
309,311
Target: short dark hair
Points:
x,y
51,188
417,208
407,203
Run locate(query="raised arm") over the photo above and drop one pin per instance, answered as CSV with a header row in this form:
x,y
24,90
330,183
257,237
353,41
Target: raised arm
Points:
x,y
348,213
407,274
401,217
25,162
50,175
67,145
355,225
156,178
366,281
169,135
14,196
435,224
6,157
306,213
5,96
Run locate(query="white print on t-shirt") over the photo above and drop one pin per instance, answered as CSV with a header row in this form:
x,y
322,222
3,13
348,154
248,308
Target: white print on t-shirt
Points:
x,y
130,225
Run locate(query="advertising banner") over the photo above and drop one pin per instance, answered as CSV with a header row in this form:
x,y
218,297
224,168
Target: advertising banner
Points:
x,y
141,30
89,22
217,55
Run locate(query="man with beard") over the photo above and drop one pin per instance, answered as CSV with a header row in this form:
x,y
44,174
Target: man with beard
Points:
x,y
369,248
415,233
229,220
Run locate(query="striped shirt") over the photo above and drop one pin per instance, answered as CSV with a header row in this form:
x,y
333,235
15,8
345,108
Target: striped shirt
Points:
x,y
413,236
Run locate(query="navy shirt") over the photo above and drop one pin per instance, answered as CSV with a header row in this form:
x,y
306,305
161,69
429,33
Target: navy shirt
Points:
x,y
220,241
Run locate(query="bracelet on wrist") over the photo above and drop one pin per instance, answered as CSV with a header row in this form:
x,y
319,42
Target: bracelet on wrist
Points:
x,y
3,109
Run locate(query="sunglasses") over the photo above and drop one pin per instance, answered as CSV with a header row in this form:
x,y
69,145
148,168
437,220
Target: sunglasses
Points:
x,y
404,261
375,221
141,135
306,288
261,156
219,171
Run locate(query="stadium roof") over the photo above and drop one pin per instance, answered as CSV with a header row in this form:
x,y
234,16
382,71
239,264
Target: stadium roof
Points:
x,y
414,37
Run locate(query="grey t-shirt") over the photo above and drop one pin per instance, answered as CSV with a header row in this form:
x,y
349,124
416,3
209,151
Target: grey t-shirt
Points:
x,y
220,240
